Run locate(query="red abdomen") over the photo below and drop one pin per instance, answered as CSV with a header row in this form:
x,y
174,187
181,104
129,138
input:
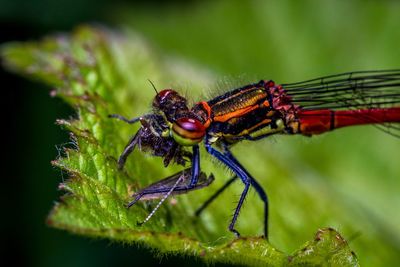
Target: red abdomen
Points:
x,y
320,121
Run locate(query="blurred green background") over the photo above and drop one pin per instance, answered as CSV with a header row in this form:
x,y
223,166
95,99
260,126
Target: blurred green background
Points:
x,y
282,40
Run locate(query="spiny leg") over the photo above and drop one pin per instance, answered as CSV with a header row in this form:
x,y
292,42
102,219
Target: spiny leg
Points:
x,y
195,165
241,173
239,206
260,191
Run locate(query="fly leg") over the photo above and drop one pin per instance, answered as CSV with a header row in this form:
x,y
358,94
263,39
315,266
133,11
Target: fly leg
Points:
x,y
128,149
132,142
122,118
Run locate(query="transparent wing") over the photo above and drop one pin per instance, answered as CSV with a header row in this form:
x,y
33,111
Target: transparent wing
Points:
x,y
362,89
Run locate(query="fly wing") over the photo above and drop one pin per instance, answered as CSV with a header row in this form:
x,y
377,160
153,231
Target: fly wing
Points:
x,y
158,189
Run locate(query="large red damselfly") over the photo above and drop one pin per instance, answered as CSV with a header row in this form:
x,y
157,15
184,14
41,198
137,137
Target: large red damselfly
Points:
x,y
253,112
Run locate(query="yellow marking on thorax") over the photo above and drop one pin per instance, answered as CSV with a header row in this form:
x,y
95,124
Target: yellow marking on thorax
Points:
x,y
239,101
236,113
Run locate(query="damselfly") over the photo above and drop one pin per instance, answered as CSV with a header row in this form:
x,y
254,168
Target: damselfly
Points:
x,y
253,112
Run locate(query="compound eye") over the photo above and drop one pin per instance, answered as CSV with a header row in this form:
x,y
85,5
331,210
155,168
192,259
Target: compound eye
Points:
x,y
188,131
162,96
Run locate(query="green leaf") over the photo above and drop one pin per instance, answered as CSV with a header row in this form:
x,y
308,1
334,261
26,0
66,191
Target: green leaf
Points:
x,y
100,72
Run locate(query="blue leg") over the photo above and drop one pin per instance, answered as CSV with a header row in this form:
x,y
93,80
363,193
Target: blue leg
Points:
x,y
241,173
260,191
195,165
228,159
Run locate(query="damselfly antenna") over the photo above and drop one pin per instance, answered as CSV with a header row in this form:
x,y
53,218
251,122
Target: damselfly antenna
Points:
x,y
154,87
